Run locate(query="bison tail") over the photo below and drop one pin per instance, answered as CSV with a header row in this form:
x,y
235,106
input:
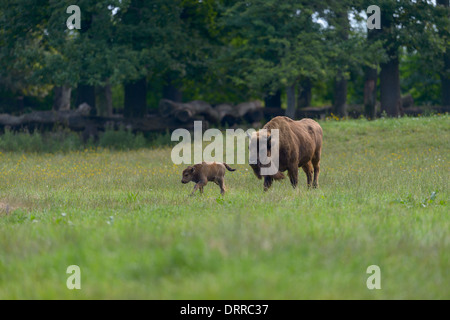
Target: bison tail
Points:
x,y
228,167
278,176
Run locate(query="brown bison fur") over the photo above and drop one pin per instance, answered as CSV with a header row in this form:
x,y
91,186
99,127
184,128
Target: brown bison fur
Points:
x,y
300,145
206,171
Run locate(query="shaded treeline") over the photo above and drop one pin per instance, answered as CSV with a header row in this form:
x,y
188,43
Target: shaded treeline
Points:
x,y
130,54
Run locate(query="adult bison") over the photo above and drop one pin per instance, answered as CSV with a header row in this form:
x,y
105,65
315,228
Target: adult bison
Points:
x,y
299,145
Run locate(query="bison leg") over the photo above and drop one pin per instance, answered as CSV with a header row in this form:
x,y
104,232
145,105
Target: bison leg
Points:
x,y
195,189
256,170
221,184
308,168
293,176
267,182
200,186
316,174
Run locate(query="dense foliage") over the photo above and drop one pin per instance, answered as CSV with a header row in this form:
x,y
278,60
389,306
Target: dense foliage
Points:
x,y
222,51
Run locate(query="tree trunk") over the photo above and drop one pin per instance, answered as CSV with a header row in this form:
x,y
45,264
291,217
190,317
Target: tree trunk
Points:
x,y
304,93
20,104
340,82
61,99
370,92
445,74
90,125
104,95
445,80
370,83
86,94
171,88
390,87
290,111
135,104
172,92
340,95
185,112
390,95
273,100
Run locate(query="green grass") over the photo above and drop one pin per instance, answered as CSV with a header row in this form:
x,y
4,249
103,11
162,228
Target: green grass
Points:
x,y
126,220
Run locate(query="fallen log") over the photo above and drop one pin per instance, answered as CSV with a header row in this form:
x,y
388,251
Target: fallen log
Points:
x,y
40,118
9,120
248,111
407,101
426,110
73,120
227,114
222,113
185,112
314,113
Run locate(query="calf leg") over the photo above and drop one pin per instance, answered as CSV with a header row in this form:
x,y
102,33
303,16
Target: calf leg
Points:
x,y
308,168
200,186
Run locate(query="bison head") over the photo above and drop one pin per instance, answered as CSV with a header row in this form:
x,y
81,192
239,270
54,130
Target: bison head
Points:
x,y
261,149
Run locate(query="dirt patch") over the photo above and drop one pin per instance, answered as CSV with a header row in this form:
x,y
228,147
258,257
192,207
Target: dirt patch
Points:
x,y
6,208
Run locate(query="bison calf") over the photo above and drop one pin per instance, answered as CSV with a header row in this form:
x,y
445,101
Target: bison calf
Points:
x,y
206,171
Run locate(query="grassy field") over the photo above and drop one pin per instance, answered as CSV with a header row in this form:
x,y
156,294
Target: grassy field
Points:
x,y
126,220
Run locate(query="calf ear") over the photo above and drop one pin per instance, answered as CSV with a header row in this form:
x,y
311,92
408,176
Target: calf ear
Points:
x,y
192,169
269,143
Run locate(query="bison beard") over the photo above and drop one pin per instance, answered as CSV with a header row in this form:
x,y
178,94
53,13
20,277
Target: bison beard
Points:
x,y
300,145
257,170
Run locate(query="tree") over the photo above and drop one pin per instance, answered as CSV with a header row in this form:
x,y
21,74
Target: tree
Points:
x,y
61,57
348,50
135,103
304,96
21,42
444,31
273,100
342,26
61,100
104,100
222,51
389,76
404,25
274,45
370,83
172,88
166,39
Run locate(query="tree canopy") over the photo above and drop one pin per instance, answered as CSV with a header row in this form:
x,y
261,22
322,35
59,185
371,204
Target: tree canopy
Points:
x,y
226,51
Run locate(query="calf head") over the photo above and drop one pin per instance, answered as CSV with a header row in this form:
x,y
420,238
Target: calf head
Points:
x,y
188,174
